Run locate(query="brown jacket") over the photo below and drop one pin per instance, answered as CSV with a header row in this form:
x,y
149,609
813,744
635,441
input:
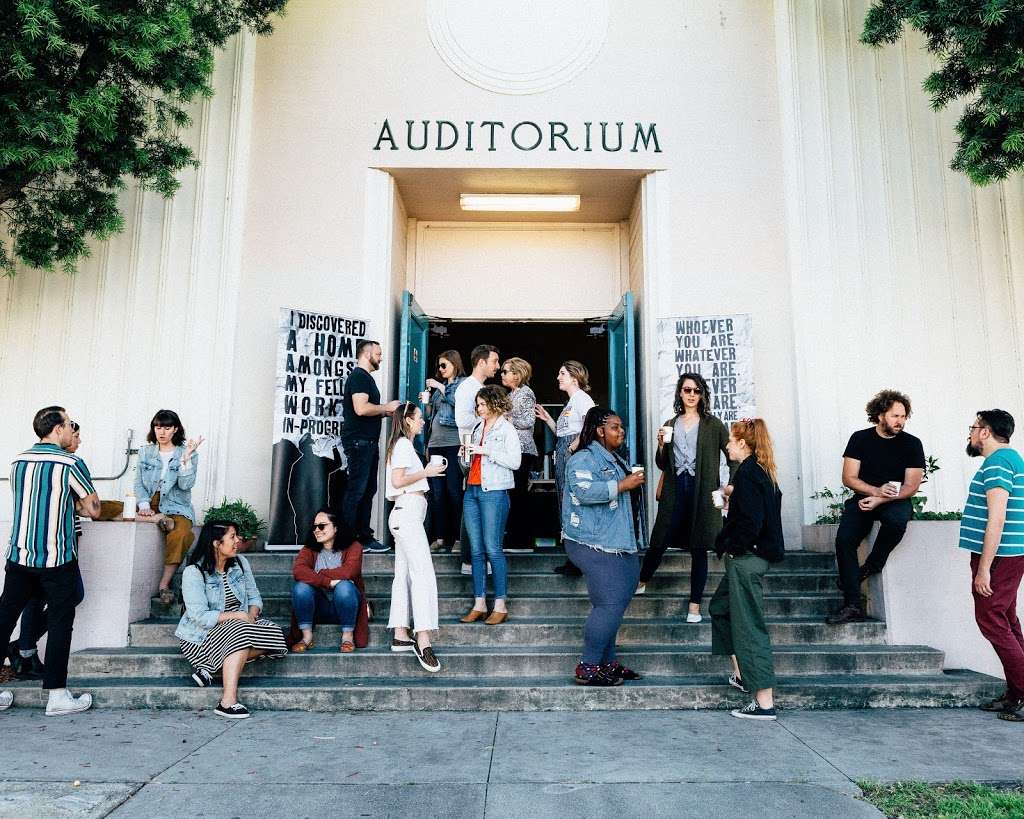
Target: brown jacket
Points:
x,y
351,568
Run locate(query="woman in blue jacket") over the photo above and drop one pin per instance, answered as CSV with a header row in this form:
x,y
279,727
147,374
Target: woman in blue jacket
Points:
x,y
599,528
221,628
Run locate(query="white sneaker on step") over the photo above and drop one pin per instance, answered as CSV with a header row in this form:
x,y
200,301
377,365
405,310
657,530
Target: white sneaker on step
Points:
x,y
466,569
641,588
61,701
693,618
6,700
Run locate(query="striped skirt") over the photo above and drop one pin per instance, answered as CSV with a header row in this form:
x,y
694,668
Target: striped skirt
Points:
x,y
231,636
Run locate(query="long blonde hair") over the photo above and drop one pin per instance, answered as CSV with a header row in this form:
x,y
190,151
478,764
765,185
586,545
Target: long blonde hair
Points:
x,y
754,433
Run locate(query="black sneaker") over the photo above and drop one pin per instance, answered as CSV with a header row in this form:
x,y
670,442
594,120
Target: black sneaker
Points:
x,y
847,614
619,671
375,547
595,675
28,668
236,711
202,678
427,659
402,645
754,711
737,682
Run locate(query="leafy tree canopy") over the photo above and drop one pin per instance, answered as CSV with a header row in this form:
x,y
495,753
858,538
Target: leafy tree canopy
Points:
x,y
93,92
980,45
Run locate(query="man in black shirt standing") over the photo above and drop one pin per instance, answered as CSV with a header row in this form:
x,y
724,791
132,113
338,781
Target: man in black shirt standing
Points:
x,y
883,465
360,438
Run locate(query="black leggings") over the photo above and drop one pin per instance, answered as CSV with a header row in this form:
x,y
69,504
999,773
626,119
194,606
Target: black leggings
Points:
x,y
678,534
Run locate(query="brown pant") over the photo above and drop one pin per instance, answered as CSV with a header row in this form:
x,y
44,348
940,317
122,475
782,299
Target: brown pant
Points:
x,y
179,539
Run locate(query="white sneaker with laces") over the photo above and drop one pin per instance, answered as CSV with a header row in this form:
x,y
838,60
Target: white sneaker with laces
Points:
x,y
693,618
61,701
466,569
6,700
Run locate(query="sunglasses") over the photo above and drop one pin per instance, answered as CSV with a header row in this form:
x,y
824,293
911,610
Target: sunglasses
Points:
x,y
692,390
320,526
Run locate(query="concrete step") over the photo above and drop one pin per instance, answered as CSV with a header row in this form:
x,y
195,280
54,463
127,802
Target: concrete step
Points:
x,y
565,631
484,662
565,604
441,692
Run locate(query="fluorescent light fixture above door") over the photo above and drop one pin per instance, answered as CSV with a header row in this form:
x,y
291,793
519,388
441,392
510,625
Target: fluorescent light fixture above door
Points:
x,y
558,202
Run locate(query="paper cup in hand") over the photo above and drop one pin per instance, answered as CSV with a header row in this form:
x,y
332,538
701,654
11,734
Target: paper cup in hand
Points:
x,y
718,499
425,397
896,485
636,468
666,434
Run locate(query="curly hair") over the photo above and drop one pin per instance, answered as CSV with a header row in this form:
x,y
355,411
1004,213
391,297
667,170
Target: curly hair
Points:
x,y
882,403
496,398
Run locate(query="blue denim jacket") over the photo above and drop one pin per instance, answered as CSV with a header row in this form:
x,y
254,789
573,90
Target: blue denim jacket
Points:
x,y
204,598
175,489
504,455
442,404
593,511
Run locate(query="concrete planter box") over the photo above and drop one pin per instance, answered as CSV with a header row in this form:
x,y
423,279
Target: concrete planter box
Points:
x,y
924,593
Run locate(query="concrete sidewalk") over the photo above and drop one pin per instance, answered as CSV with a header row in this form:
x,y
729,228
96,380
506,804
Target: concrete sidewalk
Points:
x,y
594,764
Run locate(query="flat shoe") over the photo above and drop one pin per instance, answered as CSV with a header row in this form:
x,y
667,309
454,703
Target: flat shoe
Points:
x,y
347,647
472,616
496,618
302,645
167,597
1012,716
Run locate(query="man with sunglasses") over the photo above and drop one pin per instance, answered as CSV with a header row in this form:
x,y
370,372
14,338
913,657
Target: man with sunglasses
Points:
x,y
48,485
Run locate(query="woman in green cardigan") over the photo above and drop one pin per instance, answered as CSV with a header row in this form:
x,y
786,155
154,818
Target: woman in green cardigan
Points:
x,y
687,516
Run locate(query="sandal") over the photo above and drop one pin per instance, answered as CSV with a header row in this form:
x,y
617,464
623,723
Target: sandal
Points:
x,y
302,646
347,647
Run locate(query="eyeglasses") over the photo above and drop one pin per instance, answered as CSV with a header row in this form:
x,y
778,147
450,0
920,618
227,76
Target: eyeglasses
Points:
x,y
976,426
692,390
320,526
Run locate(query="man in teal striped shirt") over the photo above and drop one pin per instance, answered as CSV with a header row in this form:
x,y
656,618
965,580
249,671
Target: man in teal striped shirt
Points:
x,y
992,529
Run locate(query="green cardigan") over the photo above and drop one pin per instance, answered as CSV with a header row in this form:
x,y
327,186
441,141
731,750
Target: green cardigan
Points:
x,y
712,436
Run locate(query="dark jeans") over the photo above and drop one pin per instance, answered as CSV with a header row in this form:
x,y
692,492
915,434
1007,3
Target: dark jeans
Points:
x,y
339,605
59,589
997,619
678,534
484,514
519,530
446,497
363,458
35,620
611,581
854,526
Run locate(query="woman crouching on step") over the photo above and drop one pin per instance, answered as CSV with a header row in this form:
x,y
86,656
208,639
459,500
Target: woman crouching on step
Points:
x,y
751,541
414,590
599,528
221,629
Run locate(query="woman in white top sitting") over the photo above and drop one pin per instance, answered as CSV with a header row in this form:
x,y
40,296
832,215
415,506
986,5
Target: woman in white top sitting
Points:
x,y
574,381
414,590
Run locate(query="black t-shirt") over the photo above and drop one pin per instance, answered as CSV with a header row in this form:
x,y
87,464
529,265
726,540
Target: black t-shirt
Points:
x,y
884,459
360,427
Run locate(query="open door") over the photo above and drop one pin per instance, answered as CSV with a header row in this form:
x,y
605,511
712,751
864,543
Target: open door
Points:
x,y
412,355
622,384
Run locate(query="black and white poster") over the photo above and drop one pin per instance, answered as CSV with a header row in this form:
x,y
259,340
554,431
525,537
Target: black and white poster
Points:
x,y
315,354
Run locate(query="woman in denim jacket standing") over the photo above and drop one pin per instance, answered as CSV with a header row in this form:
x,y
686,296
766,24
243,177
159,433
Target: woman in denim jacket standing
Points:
x,y
599,528
492,456
221,627
445,489
164,479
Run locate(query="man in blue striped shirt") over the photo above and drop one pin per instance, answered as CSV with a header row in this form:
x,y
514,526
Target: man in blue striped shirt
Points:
x,y
992,529
48,484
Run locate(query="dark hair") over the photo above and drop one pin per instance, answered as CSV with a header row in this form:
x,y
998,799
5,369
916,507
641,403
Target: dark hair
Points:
x,y
342,540
481,353
167,418
999,422
704,405
495,397
405,411
882,403
75,426
202,554
362,344
46,419
456,361
596,417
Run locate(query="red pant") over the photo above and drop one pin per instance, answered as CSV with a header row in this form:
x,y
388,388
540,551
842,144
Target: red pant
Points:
x,y
996,617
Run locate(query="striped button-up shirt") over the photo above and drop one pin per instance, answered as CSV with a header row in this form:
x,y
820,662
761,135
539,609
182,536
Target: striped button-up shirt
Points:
x,y
45,482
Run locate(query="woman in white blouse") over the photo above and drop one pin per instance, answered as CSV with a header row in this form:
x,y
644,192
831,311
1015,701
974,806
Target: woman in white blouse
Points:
x,y
414,589
515,376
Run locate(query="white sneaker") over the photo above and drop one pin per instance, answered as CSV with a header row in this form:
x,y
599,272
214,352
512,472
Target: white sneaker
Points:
x,y
456,547
693,618
466,569
62,701
489,569
6,700
641,588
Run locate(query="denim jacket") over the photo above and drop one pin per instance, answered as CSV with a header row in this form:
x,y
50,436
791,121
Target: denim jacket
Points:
x,y
175,489
594,513
204,598
503,455
442,404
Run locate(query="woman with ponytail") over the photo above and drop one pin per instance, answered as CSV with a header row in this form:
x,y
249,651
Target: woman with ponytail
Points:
x,y
751,541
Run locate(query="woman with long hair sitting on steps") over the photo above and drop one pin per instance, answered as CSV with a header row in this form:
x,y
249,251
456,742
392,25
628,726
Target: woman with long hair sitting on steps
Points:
x,y
221,629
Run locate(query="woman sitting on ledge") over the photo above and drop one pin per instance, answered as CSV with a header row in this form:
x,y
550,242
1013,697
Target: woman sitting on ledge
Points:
x,y
221,627
328,573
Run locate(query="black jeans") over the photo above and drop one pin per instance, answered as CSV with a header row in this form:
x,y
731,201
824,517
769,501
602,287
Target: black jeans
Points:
x,y
446,497
519,529
854,526
678,534
59,589
363,458
35,618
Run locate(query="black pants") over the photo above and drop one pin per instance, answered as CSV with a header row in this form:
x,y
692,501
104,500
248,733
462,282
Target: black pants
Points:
x,y
678,534
446,497
519,529
363,458
35,619
854,526
59,588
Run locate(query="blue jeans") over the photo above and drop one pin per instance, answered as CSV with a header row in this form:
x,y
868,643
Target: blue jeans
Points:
x,y
484,515
34,619
611,582
339,605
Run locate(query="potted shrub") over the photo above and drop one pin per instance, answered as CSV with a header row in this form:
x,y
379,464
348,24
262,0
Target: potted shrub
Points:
x,y
248,524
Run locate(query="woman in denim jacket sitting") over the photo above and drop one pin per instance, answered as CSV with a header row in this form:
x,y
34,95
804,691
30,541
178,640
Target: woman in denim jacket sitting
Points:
x,y
493,454
164,479
445,490
599,528
221,627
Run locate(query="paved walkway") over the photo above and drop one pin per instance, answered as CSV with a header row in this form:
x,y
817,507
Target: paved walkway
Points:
x,y
596,764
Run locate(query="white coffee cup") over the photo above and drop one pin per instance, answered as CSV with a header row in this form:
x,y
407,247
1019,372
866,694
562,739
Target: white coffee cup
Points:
x,y
425,397
666,434
439,460
895,485
718,499
636,468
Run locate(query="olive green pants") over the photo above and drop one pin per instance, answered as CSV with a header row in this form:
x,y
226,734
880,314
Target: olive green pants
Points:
x,y
737,620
